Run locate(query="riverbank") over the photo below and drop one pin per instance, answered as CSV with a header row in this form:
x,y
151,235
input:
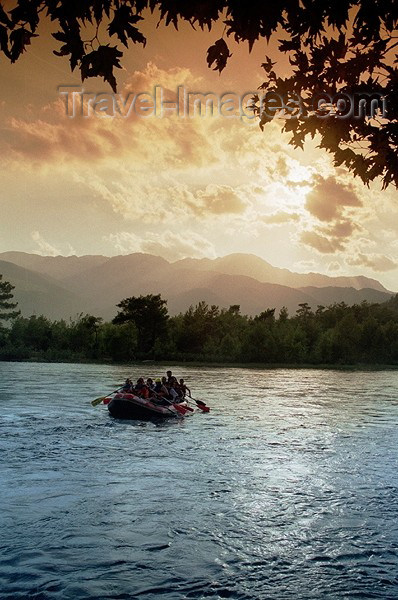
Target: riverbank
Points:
x,y
212,365
365,334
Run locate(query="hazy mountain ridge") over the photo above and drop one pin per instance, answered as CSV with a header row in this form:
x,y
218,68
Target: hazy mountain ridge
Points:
x,y
37,294
57,267
349,295
65,286
256,267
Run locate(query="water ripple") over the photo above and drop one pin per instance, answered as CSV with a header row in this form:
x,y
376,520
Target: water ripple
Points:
x,y
287,489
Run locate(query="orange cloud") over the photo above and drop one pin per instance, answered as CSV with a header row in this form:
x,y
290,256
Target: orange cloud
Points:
x,y
328,198
341,229
331,201
220,199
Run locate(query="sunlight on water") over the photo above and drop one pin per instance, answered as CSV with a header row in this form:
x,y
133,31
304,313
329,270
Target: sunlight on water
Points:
x,y
286,489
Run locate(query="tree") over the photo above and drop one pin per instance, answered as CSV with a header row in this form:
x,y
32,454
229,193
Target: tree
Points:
x,y
336,51
7,308
84,335
283,315
149,314
343,84
119,341
346,339
199,328
266,315
259,343
34,333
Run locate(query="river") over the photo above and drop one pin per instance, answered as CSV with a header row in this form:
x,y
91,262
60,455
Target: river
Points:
x,y
286,489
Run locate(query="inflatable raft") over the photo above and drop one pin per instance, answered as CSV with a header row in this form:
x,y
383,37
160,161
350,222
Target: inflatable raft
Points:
x,y
129,406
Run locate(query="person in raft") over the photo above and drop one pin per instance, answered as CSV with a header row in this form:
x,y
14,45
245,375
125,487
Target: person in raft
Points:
x,y
150,384
141,389
177,386
160,387
183,389
166,390
128,386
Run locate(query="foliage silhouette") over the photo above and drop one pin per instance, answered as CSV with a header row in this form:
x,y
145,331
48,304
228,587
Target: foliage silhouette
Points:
x,y
149,315
342,48
7,308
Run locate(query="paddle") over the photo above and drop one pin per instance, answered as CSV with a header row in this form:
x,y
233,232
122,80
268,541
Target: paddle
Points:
x,y
181,409
202,405
102,398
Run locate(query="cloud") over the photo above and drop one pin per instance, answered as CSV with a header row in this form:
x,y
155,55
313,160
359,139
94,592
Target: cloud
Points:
x,y
51,135
321,243
45,247
170,245
158,198
341,229
331,202
305,266
376,262
334,267
328,199
298,184
281,218
220,199
282,166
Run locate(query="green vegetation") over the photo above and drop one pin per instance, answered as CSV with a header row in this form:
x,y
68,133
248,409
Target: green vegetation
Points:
x,y
142,330
7,309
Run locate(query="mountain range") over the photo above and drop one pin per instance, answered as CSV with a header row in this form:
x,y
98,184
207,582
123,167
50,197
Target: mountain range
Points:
x,y
63,287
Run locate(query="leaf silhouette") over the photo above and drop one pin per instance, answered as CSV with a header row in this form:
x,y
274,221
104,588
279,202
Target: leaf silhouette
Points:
x,y
218,54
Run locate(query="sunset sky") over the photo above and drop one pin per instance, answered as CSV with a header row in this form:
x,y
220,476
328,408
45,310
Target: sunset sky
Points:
x,y
173,186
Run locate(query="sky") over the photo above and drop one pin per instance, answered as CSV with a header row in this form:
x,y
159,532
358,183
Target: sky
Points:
x,y
195,186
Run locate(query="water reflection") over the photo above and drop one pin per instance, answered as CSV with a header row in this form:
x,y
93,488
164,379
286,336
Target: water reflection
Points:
x,y
287,489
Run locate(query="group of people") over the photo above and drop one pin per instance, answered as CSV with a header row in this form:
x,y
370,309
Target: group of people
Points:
x,y
163,390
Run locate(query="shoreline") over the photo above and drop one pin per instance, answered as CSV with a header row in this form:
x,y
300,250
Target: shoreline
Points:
x,y
219,365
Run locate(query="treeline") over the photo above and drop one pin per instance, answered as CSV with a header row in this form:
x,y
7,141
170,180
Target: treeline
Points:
x,y
142,330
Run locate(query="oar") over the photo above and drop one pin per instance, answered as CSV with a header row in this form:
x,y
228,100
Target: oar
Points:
x,y
202,405
181,409
102,398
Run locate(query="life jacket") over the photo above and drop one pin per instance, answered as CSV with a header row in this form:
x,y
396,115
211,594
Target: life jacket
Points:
x,y
142,390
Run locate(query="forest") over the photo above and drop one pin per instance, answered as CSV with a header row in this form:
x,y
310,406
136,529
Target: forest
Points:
x,y
143,330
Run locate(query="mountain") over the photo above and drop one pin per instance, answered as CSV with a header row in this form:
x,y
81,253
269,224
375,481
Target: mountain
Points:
x,y
57,267
253,296
64,267
134,274
329,295
39,295
65,286
256,267
122,272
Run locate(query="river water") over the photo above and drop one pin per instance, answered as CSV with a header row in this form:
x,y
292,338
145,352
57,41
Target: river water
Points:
x,y
287,489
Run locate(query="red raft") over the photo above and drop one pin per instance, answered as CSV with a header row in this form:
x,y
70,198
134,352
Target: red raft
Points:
x,y
129,406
